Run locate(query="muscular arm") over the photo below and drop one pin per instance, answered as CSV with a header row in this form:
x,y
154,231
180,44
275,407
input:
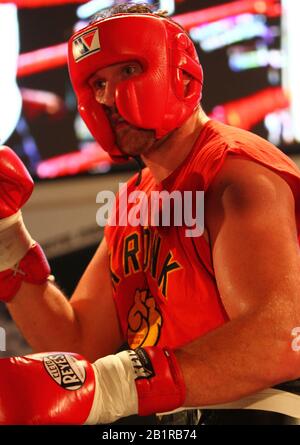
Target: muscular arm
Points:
x,y
250,217
87,323
251,220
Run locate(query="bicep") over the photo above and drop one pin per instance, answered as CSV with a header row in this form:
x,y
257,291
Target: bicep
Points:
x,y
251,220
95,308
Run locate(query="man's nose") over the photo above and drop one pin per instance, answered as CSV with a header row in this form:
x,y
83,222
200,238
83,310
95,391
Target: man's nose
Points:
x,y
107,96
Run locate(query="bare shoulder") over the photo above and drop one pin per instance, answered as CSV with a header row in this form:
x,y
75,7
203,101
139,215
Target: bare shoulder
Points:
x,y
243,185
250,217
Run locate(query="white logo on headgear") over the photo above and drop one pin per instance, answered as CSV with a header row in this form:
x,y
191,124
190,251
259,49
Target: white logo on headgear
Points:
x,y
86,44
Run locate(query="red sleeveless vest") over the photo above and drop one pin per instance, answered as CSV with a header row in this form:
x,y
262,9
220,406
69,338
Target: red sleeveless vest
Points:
x,y
163,282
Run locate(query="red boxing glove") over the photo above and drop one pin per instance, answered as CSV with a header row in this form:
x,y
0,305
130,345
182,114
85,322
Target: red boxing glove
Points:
x,y
63,388
159,382
16,184
21,258
43,389
145,381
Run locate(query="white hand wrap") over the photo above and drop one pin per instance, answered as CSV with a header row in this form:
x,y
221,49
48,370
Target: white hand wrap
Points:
x,y
115,391
15,241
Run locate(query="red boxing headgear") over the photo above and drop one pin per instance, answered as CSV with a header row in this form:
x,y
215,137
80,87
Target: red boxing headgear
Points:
x,y
154,99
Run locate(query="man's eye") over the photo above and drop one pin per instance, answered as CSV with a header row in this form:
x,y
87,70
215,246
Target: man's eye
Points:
x,y
128,70
99,84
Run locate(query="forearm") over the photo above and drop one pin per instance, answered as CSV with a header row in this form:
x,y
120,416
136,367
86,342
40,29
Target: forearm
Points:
x,y
242,357
46,318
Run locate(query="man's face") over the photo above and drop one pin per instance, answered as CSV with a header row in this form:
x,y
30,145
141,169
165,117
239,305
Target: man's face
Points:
x,y
131,140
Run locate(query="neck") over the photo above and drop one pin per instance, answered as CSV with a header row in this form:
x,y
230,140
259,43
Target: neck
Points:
x,y
169,152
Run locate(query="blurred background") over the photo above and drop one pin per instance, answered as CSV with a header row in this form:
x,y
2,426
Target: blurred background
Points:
x,y
249,52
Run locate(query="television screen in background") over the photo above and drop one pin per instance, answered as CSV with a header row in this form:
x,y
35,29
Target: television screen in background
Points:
x,y
248,50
